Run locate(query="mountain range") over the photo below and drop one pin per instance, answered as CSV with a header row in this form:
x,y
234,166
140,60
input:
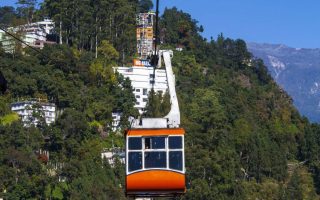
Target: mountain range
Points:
x,y
297,71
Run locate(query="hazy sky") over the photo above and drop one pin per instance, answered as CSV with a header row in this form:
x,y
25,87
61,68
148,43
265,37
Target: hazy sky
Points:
x,y
295,23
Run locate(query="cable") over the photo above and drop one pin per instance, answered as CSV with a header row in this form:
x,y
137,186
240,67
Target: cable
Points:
x,y
35,49
23,42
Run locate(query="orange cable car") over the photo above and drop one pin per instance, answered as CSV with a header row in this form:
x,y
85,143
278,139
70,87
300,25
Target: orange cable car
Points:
x,y
155,149
155,160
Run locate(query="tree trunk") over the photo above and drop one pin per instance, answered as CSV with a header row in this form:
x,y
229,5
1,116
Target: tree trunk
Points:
x,y
123,56
96,37
60,33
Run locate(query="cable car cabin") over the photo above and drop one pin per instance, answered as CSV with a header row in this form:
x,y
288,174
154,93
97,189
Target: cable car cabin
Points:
x,y
155,162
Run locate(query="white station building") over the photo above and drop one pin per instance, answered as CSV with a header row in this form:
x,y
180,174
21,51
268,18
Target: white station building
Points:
x,y
141,78
142,82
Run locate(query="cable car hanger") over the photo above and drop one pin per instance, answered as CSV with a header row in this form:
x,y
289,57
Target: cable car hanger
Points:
x,y
155,161
155,158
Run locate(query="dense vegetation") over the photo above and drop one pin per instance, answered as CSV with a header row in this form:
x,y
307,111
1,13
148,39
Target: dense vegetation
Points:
x,y
244,138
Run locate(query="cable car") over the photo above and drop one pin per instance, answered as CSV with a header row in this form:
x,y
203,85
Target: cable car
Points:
x,y
155,159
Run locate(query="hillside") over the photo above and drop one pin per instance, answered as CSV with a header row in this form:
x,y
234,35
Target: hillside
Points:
x,y
245,139
296,71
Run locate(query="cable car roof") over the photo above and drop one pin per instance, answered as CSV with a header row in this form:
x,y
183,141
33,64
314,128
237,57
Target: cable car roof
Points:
x,y
152,132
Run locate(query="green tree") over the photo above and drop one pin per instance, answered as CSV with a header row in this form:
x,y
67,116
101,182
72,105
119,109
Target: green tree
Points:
x,y
158,104
7,15
26,9
145,5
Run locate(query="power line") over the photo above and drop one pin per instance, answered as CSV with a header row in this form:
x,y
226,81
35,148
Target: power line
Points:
x,y
23,42
35,49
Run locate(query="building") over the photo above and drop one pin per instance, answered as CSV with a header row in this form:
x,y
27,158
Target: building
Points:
x,y
116,117
34,34
145,34
32,111
179,48
142,82
7,42
142,75
112,154
39,29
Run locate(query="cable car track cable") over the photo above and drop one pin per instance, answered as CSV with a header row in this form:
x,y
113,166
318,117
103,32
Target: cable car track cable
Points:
x,y
23,42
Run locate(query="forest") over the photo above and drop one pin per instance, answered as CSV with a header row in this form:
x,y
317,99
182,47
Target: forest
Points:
x,y
245,139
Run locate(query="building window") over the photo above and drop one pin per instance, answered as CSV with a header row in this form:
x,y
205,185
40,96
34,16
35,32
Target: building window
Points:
x,y
138,96
151,75
145,100
145,91
137,103
137,90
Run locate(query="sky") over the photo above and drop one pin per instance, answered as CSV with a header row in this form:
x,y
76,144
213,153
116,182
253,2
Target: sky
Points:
x,y
295,23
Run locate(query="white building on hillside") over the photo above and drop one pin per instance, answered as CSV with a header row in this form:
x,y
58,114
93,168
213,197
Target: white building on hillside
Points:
x,y
112,154
31,112
45,27
34,34
37,31
7,42
116,117
142,80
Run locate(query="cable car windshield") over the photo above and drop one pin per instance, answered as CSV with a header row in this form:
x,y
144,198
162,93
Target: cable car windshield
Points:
x,y
155,160
155,152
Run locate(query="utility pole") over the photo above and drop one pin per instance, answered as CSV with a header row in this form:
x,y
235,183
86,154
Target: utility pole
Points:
x,y
155,57
96,52
157,25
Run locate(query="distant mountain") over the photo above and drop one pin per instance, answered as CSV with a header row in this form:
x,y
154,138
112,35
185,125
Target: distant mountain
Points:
x,y
297,70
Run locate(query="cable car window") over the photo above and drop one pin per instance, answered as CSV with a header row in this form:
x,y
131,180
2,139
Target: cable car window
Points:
x,y
155,159
135,143
158,142
155,143
175,160
147,143
175,142
135,161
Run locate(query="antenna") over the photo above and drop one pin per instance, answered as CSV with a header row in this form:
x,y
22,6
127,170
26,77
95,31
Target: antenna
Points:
x,y
157,26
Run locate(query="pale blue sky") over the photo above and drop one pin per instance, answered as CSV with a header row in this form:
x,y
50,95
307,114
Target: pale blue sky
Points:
x,y
295,23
